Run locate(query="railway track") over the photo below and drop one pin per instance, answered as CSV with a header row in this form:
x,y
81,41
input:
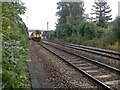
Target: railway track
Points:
x,y
106,76
103,52
108,57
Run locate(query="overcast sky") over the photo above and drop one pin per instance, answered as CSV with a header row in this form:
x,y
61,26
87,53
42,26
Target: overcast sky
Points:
x,y
40,12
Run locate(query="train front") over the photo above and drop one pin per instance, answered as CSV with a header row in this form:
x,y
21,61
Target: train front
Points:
x,y
37,35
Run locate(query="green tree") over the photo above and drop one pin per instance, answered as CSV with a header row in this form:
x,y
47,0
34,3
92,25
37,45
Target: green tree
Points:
x,y
81,28
99,32
70,15
116,29
63,12
89,30
102,10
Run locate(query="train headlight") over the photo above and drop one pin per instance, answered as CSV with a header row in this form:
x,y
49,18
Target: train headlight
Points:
x,y
40,35
37,36
34,35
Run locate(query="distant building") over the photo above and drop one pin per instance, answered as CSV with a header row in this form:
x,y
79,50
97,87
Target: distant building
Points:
x,y
46,34
119,8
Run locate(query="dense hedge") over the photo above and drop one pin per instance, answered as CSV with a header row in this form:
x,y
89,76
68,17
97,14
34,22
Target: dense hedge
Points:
x,y
75,26
14,46
88,33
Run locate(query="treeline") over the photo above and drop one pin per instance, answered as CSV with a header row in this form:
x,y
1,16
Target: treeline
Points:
x,y
74,26
14,46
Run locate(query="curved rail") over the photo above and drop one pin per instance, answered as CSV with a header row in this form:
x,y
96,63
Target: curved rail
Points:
x,y
80,70
90,60
97,51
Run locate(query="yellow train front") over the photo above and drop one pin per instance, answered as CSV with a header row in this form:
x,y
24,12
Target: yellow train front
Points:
x,y
37,35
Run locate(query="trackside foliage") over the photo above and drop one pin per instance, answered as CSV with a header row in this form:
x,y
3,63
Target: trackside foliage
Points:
x,y
73,26
14,45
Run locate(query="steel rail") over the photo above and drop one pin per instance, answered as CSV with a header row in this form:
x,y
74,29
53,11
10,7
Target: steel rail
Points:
x,y
80,70
94,52
90,60
97,49
79,47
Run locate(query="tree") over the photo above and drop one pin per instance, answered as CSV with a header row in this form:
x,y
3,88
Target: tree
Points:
x,y
116,29
89,30
70,15
81,28
102,10
63,12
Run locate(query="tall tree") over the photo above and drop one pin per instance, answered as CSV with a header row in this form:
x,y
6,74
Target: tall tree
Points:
x,y
70,14
63,11
69,9
102,10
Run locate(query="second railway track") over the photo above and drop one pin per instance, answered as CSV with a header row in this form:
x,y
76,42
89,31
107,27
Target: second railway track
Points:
x,y
106,76
103,52
108,57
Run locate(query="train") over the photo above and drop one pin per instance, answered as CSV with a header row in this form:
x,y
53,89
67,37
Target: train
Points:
x,y
36,35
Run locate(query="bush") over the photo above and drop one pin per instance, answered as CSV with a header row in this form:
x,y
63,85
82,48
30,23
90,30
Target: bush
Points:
x,y
99,32
81,28
89,31
116,28
14,46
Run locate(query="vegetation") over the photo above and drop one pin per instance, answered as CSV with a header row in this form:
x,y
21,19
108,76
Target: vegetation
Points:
x,y
14,43
73,26
102,10
116,30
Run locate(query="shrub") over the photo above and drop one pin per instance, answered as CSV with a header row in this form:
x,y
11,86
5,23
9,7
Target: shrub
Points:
x,y
89,31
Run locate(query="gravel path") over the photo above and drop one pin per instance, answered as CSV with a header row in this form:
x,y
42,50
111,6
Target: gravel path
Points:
x,y
55,72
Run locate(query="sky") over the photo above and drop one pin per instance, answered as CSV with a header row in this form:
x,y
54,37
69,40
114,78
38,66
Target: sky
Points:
x,y
39,12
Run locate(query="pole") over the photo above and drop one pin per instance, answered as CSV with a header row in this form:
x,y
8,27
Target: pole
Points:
x,y
118,24
47,26
27,20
